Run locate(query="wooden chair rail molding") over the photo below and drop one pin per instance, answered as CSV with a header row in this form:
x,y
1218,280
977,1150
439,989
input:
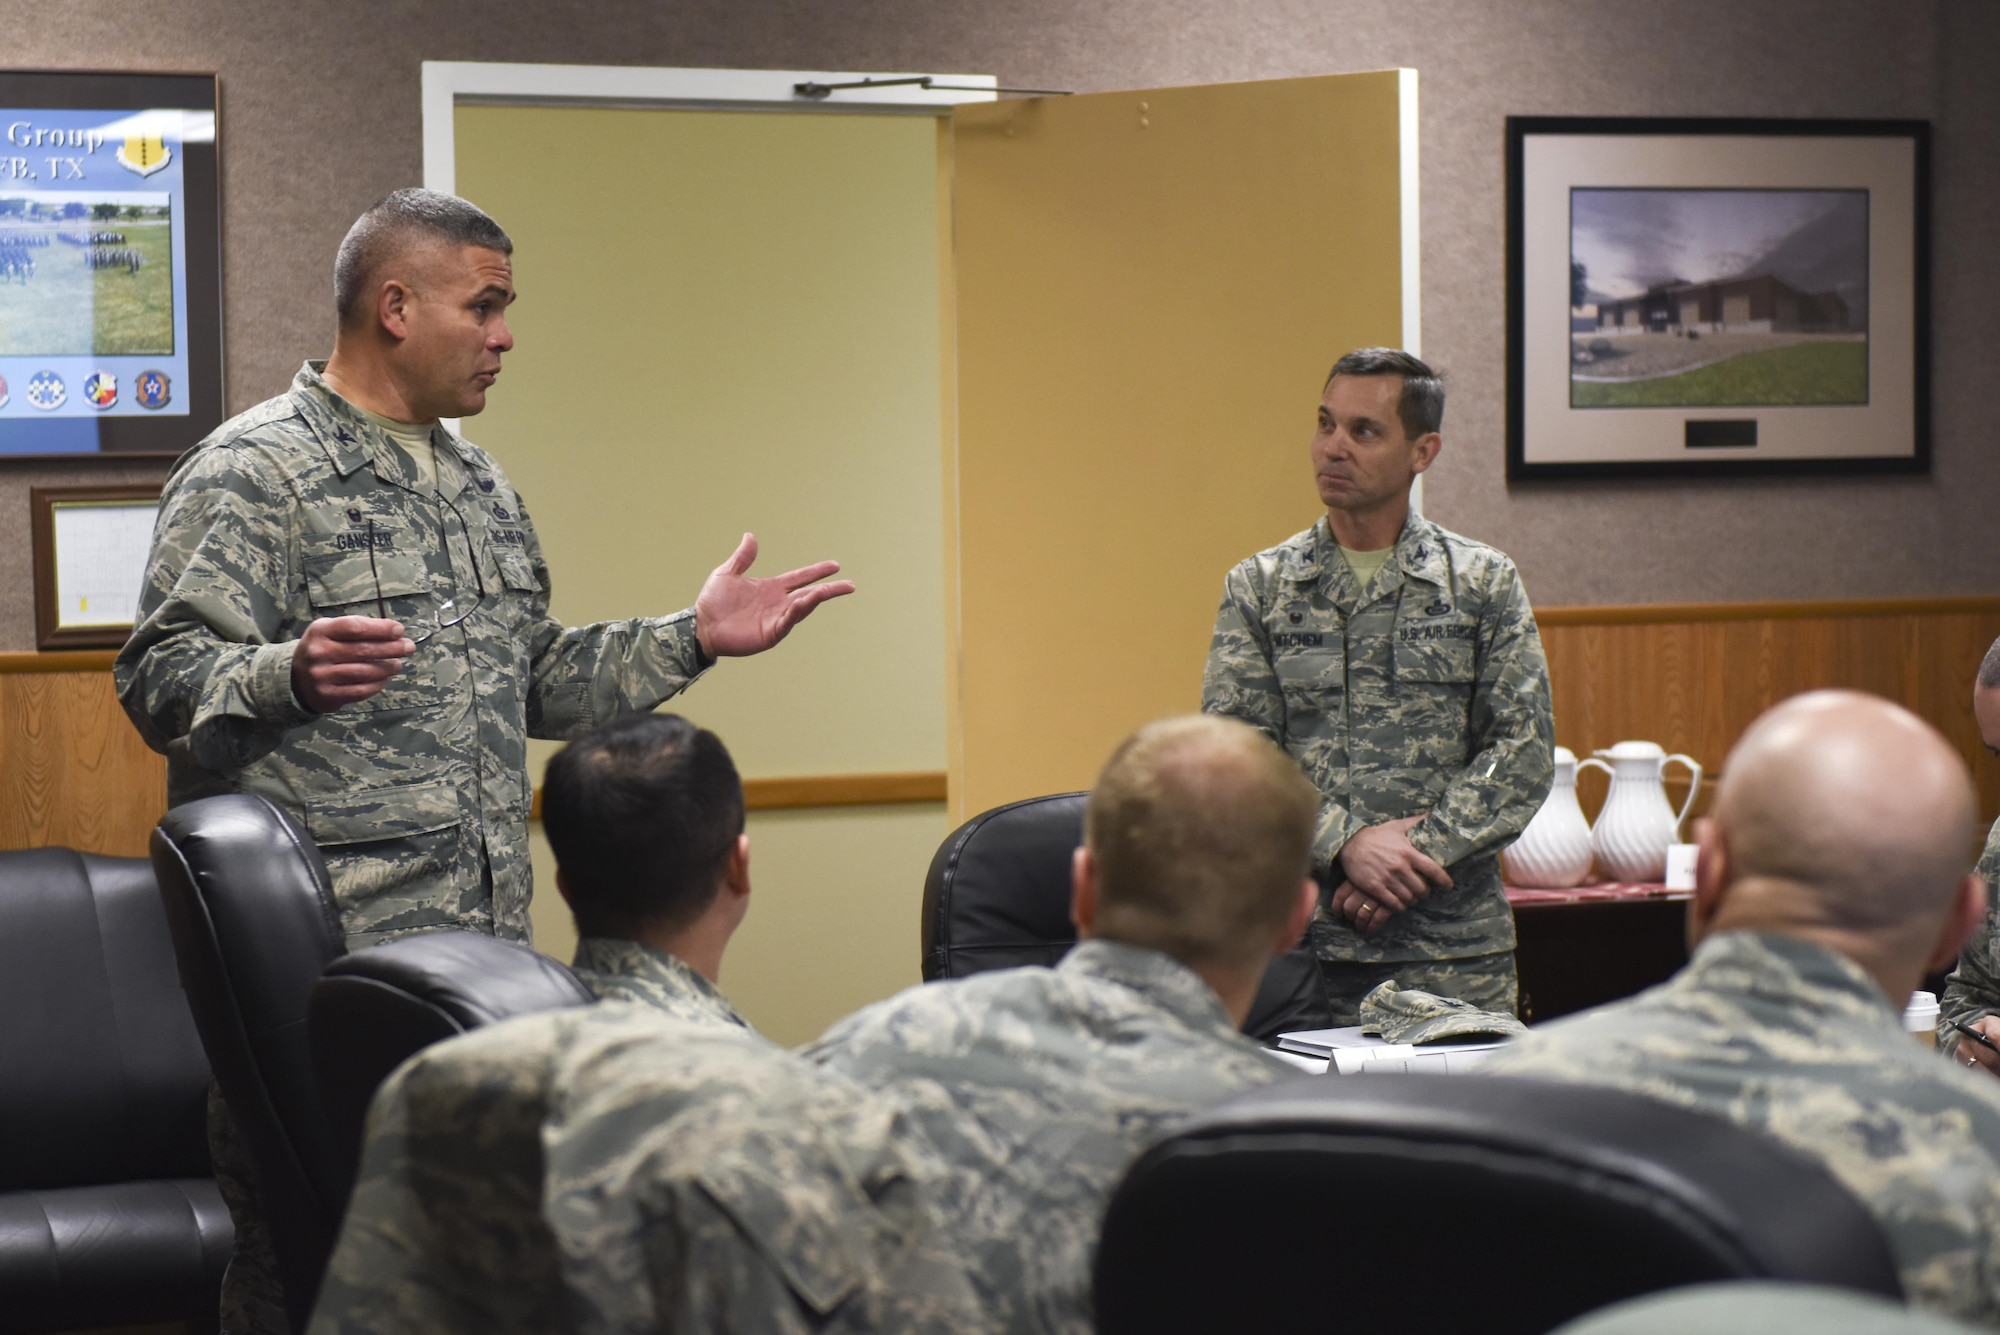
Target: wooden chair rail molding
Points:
x,y
73,771
1688,676
830,790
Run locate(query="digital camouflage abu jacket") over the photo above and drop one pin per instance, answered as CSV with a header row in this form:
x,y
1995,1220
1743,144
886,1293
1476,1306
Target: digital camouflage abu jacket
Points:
x,y
418,797
1428,693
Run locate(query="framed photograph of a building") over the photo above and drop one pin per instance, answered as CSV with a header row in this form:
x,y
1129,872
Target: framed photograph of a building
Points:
x,y
1717,296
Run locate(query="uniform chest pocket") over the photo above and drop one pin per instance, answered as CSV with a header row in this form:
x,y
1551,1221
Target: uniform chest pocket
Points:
x,y
340,578
341,583
1437,655
1311,668
1437,667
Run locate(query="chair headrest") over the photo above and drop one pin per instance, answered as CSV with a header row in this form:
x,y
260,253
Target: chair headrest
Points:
x,y
470,977
998,891
376,1008
1560,1198
261,889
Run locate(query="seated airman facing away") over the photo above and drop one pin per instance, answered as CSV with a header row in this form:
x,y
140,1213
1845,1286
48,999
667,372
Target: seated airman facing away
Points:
x,y
645,816
1832,876
1972,993
650,1163
1040,1085
612,1169
697,1180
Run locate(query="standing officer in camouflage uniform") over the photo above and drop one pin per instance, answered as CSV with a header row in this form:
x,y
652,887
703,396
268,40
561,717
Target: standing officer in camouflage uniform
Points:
x,y
346,607
645,816
346,611
1831,878
1972,993
1400,665
1040,1085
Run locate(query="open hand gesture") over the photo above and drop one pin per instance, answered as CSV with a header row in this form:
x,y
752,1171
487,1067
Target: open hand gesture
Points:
x,y
736,614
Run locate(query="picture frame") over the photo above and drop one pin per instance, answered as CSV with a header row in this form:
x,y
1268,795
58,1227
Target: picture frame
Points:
x,y
1717,297
110,264
90,551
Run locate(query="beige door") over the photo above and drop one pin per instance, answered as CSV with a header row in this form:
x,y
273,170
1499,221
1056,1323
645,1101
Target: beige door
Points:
x,y
734,323
1736,309
1151,287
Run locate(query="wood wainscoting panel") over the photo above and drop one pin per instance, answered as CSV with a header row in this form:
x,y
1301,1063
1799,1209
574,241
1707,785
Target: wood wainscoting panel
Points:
x,y
73,771
1692,677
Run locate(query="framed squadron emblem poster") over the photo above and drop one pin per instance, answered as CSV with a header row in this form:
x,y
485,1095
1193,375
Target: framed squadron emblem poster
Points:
x,y
110,264
1717,297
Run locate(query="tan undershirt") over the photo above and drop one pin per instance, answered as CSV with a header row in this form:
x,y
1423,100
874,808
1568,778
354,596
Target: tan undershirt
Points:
x,y
414,439
1365,565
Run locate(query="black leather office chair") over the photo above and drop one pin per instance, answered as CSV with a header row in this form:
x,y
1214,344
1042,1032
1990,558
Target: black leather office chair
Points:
x,y
376,1008
108,1213
1450,1204
254,925
998,893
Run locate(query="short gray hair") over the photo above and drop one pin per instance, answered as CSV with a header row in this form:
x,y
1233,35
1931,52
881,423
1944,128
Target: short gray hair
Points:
x,y
1989,667
398,223
1422,404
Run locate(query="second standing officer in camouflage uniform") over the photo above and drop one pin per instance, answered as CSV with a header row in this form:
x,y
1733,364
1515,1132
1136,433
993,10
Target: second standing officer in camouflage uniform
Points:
x,y
1400,665
1972,993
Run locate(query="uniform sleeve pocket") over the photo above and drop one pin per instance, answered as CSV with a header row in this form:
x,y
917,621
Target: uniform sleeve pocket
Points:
x,y
517,572
805,1215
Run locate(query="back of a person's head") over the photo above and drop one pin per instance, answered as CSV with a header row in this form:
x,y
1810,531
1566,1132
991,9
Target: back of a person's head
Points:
x,y
642,814
1856,808
1202,831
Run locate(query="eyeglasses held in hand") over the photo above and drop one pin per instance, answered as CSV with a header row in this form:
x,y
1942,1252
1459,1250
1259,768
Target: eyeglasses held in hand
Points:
x,y
442,619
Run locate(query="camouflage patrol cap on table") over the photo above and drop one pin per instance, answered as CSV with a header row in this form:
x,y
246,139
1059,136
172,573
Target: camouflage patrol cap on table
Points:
x,y
1406,1015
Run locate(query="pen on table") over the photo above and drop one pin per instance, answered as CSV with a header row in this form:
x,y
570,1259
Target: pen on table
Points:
x,y
1974,1035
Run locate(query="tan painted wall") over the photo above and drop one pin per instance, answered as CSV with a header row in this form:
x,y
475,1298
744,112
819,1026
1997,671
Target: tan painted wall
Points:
x,y
1151,287
730,321
833,916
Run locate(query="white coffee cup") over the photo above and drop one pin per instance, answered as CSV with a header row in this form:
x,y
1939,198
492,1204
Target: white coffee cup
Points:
x,y
1680,866
1920,1018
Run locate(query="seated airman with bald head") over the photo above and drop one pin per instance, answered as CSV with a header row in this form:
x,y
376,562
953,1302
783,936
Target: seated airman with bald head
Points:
x,y
1833,875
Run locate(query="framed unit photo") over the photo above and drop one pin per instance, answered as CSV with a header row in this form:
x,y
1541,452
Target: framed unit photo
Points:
x,y
1717,297
90,545
110,264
